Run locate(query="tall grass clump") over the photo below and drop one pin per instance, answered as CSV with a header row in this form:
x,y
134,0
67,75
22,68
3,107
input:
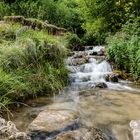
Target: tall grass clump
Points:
x,y
124,48
31,63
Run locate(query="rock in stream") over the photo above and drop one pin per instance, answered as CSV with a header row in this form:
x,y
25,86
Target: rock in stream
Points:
x,y
8,131
135,125
50,123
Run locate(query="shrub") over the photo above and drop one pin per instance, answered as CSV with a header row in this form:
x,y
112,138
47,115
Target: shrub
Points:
x,y
117,51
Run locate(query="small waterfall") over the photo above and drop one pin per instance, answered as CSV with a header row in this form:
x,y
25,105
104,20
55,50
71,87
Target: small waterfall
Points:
x,y
92,72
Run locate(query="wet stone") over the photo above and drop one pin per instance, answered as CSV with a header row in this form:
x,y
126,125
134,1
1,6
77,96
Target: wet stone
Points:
x,y
84,134
112,78
8,131
101,85
135,125
50,122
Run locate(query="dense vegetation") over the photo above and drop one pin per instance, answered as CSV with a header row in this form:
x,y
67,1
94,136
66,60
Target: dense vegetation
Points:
x,y
117,24
124,48
62,13
31,61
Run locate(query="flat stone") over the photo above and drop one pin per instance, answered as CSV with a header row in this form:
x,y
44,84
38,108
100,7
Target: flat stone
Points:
x,y
52,120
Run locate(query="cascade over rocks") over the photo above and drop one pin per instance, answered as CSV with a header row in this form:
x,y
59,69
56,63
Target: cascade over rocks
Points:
x,y
89,71
8,131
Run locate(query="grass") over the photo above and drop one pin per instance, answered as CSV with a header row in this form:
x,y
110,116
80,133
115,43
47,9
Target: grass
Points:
x,y
31,64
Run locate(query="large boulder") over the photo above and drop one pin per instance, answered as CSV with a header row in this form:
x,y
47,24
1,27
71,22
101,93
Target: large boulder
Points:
x,y
8,131
52,122
135,125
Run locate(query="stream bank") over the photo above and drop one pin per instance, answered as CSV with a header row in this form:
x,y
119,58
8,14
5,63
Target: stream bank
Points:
x,y
90,105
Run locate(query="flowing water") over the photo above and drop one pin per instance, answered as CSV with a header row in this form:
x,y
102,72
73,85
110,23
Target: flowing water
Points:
x,y
109,109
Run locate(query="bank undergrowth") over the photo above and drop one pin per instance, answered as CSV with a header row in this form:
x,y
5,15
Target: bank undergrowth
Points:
x,y
31,63
124,48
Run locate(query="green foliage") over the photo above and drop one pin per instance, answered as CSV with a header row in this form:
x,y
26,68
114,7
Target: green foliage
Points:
x,y
102,17
62,13
124,48
132,26
74,42
118,50
4,10
31,64
134,55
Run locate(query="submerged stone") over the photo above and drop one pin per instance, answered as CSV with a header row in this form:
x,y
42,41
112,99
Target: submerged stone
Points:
x,y
83,134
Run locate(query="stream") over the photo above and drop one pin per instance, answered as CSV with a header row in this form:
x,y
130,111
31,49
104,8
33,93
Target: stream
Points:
x,y
109,106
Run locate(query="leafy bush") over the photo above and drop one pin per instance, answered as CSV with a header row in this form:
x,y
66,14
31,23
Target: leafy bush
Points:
x,y
134,56
118,51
